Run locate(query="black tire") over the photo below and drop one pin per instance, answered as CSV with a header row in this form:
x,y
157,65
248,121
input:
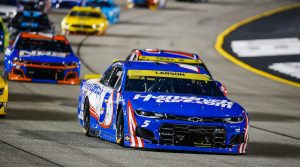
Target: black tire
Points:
x,y
2,116
120,128
86,118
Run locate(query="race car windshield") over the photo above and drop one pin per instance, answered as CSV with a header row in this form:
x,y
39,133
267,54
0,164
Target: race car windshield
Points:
x,y
30,23
97,3
172,85
32,44
8,2
85,14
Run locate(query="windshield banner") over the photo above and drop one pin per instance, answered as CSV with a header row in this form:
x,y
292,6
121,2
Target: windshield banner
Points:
x,y
167,74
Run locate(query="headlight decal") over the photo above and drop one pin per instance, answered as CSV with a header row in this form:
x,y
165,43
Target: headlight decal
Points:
x,y
132,124
243,147
148,114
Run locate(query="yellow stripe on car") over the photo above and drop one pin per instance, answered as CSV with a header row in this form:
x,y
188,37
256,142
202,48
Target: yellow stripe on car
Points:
x,y
167,74
91,76
166,59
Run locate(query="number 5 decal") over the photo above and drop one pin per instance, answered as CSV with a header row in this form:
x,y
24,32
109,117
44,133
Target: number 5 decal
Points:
x,y
146,123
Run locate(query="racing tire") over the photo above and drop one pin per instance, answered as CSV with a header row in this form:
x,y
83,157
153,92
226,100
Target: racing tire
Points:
x,y
120,129
86,118
2,116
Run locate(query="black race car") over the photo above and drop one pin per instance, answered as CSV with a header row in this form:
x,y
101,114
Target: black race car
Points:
x,y
30,21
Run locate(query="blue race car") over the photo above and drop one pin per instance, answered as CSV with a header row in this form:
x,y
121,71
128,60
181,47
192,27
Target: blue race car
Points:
x,y
165,106
65,3
109,8
30,21
37,57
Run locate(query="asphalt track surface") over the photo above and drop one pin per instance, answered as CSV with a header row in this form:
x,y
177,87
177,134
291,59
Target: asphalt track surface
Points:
x,y
41,128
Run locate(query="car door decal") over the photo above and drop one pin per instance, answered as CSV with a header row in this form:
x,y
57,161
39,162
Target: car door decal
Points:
x,y
108,111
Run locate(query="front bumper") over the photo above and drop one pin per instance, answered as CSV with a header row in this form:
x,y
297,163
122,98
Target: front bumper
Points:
x,y
44,73
83,30
209,137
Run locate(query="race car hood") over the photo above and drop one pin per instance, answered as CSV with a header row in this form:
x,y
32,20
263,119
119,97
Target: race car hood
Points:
x,y
44,56
185,105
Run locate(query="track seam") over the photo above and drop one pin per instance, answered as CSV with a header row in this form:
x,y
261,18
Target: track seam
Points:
x,y
277,133
81,59
25,151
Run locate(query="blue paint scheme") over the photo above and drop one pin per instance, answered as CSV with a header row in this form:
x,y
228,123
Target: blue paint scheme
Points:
x,y
65,3
93,88
12,53
109,9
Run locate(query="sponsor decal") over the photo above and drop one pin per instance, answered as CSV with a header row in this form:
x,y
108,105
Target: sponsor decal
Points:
x,y
185,99
168,74
25,53
127,138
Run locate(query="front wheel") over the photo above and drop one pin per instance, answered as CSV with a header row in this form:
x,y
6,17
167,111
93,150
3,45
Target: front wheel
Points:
x,y
120,128
86,118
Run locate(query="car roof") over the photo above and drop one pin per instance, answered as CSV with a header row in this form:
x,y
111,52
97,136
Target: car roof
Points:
x,y
86,9
167,53
161,66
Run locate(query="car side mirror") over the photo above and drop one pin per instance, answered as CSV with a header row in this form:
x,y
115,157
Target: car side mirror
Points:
x,y
222,88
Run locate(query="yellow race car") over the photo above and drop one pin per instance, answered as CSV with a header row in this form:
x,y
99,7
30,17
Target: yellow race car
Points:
x,y
3,97
84,20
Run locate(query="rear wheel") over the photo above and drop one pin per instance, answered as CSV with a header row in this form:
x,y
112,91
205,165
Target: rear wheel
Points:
x,y
120,128
86,118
